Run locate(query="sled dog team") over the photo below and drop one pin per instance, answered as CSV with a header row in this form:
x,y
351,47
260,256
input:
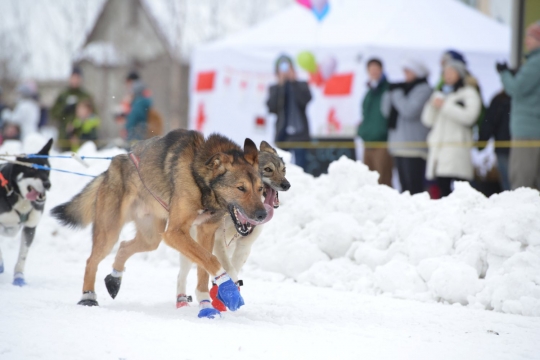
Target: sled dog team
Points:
x,y
198,195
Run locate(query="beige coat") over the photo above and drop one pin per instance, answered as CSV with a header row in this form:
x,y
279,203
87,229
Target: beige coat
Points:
x,y
450,138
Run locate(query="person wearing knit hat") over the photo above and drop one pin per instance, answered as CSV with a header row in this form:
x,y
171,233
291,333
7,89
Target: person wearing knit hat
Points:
x,y
450,113
403,105
524,89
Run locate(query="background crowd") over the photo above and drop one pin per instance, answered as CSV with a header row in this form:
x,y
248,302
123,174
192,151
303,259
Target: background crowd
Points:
x,y
73,115
427,134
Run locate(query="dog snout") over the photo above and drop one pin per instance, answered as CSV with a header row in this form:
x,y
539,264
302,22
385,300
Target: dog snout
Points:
x,y
47,184
285,185
260,215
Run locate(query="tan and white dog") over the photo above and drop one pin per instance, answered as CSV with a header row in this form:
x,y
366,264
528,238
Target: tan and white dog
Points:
x,y
232,249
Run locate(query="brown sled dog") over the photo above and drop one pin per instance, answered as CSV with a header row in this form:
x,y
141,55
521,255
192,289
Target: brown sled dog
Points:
x,y
231,249
180,178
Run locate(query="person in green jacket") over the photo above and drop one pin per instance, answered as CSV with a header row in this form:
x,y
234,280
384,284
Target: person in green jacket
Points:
x,y
374,126
524,88
85,125
63,110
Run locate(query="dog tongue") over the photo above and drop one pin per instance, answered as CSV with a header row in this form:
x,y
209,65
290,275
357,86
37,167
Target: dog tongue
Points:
x,y
32,195
269,213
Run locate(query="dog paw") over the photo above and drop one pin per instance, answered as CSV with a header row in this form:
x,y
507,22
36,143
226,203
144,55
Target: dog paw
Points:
x,y
88,302
113,285
228,293
207,311
19,281
182,301
216,303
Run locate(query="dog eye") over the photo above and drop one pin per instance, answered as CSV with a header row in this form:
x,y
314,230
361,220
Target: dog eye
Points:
x,y
241,188
267,169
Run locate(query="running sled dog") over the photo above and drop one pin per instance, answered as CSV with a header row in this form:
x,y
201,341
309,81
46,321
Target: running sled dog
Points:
x,y
22,199
273,172
166,185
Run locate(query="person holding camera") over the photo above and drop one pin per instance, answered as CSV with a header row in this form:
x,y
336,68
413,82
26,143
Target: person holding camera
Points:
x,y
288,100
524,89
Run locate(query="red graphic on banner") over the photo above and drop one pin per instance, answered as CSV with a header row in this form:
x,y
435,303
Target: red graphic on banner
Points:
x,y
339,85
316,79
205,81
200,118
243,84
334,125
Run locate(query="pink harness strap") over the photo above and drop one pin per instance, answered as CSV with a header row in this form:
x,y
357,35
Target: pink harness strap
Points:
x,y
135,160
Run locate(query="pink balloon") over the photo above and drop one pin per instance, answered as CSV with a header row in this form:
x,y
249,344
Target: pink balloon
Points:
x,y
318,5
306,3
327,67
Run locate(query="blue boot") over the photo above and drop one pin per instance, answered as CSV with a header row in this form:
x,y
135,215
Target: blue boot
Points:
x,y
228,292
207,311
18,279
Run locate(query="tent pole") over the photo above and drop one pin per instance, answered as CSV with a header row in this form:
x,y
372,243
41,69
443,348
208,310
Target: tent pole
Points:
x,y
518,19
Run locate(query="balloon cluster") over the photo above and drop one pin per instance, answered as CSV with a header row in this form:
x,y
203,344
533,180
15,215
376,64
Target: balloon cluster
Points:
x,y
319,72
319,8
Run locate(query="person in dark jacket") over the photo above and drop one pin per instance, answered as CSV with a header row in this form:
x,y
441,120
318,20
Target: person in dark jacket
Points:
x,y
403,104
288,100
524,88
374,126
63,110
137,119
496,124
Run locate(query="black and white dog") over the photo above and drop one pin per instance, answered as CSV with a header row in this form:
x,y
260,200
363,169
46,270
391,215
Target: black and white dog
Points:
x,y
22,199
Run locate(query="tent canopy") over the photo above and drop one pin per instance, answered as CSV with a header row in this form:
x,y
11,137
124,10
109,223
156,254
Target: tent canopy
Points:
x,y
351,33
415,24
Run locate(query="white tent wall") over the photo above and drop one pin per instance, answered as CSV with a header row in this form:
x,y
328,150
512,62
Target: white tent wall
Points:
x,y
353,32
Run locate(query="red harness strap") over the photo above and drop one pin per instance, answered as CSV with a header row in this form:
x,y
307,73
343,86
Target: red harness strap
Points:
x,y
3,181
135,160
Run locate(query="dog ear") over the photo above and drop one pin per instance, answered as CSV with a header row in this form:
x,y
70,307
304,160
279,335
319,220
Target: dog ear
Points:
x,y
45,150
251,154
217,162
267,148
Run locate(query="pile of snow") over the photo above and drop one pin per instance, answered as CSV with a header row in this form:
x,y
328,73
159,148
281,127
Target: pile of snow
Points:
x,y
344,231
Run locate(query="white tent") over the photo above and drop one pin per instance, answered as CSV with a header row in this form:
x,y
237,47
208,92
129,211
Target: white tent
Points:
x,y
229,78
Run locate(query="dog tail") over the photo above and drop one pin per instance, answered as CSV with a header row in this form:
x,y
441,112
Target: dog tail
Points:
x,y
79,212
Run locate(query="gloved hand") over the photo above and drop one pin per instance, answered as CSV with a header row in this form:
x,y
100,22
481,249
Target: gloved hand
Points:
x,y
501,67
228,292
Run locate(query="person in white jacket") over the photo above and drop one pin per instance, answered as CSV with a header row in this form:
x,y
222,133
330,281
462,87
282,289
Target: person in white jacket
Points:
x,y
451,113
26,112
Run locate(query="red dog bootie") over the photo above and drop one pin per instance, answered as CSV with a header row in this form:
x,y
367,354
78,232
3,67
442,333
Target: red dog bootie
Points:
x,y
182,300
216,303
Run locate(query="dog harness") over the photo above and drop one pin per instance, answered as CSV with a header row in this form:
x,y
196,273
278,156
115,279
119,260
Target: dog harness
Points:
x,y
135,161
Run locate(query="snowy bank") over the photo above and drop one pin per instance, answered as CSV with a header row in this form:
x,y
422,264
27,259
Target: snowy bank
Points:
x,y
344,231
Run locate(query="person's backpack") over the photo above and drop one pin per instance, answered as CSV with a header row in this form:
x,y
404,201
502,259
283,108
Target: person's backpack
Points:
x,y
155,123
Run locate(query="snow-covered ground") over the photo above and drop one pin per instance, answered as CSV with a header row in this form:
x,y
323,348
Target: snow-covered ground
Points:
x,y
344,234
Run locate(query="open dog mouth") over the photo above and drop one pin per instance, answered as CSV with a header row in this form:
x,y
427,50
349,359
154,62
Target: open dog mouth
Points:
x,y
34,195
271,196
243,224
